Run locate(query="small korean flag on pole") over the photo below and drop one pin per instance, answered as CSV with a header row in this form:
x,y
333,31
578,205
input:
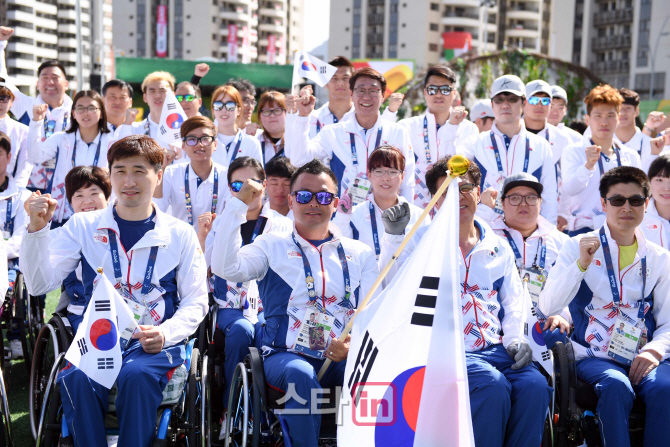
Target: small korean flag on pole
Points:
x,y
102,335
306,66
172,117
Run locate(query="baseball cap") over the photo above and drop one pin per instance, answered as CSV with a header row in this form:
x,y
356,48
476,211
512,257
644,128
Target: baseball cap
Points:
x,y
559,92
508,84
537,86
481,109
522,179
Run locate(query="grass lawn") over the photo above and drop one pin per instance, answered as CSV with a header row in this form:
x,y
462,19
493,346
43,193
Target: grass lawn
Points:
x,y
17,380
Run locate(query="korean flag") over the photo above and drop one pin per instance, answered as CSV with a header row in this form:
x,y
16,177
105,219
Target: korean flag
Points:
x,y
172,117
103,333
306,66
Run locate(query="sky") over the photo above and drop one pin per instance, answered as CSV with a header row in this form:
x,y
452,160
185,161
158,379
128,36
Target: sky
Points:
x,y
317,23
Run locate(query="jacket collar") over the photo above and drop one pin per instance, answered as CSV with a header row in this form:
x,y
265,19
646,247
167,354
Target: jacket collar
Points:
x,y
651,208
371,199
337,236
12,190
354,127
93,143
544,227
210,177
499,134
614,247
160,236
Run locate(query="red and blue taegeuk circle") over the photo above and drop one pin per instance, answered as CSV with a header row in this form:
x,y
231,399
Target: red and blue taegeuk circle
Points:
x,y
537,334
174,121
308,66
408,385
103,334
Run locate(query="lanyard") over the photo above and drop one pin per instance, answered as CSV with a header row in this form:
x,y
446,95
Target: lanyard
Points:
x,y
9,222
118,276
375,233
309,278
318,123
97,152
354,155
515,249
497,154
543,255
600,159
279,153
426,143
49,173
146,127
254,235
50,125
187,194
612,279
640,151
517,254
237,148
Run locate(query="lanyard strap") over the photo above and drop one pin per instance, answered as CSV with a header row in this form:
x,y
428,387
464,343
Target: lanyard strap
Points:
x,y
187,194
354,155
309,278
497,154
146,127
600,159
515,249
50,125
237,147
543,254
118,276
426,143
97,152
318,123
49,173
375,233
279,153
9,222
517,254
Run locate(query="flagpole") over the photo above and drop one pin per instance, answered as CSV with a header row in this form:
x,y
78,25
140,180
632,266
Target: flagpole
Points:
x,y
458,166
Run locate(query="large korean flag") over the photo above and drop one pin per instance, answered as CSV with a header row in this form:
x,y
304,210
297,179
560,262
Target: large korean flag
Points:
x,y
406,382
172,117
310,67
97,346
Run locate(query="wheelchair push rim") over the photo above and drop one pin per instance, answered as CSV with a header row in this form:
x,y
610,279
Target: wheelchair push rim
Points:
x,y
238,402
47,342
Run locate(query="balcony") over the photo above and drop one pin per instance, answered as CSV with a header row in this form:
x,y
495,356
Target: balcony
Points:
x,y
24,64
462,3
465,19
523,14
375,38
522,31
21,16
611,17
273,12
272,28
620,66
611,42
375,19
238,15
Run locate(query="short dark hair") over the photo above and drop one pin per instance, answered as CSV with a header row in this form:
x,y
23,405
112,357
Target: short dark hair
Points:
x,y
85,176
279,167
5,142
578,126
197,122
442,71
624,174
341,61
660,167
134,145
630,97
95,96
196,89
119,83
314,167
386,155
242,85
246,162
51,63
367,72
439,170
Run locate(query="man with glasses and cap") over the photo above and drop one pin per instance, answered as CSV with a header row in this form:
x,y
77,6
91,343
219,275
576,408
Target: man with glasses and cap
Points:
x,y
482,115
508,148
612,277
311,271
558,110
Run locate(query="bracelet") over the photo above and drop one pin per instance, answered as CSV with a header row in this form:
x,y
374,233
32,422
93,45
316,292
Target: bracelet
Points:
x,y
649,128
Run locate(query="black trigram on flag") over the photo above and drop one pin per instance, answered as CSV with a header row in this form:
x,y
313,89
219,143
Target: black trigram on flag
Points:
x,y
103,306
364,361
546,355
106,363
425,301
177,136
163,131
171,106
525,329
83,349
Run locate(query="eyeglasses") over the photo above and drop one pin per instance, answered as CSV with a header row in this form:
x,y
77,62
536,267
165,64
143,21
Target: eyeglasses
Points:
x,y
534,100
390,172
249,102
275,112
187,98
512,99
5,99
445,90
369,91
205,140
219,105
80,109
304,197
620,201
236,186
515,199
467,188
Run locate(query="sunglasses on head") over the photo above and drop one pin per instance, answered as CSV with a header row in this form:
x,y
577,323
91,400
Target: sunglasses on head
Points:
x,y
236,186
534,100
304,197
219,105
445,90
620,201
187,98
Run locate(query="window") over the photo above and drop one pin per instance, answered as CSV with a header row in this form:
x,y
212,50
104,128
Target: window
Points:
x,y
434,7
434,27
433,47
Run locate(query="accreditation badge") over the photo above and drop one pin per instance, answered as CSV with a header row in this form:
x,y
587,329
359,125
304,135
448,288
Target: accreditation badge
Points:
x,y
535,278
623,346
314,335
6,235
360,189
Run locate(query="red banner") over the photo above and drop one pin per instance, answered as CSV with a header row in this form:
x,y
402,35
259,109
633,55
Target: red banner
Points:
x,y
232,43
161,31
272,49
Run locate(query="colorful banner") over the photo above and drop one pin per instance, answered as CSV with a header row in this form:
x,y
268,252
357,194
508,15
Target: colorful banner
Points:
x,y
397,73
161,31
456,43
246,48
232,43
272,49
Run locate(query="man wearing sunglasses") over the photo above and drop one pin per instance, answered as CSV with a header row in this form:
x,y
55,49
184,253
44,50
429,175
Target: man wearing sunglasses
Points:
x,y
509,148
434,133
311,271
614,276
347,145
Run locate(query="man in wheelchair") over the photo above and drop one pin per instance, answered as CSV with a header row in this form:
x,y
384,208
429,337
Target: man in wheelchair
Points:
x,y
615,281
160,266
311,271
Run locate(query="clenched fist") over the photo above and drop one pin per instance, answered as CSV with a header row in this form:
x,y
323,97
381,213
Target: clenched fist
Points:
x,y
40,112
395,100
40,210
201,70
592,156
250,191
457,115
588,246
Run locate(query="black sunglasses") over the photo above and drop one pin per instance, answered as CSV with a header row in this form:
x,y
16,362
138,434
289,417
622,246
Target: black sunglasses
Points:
x,y
5,99
236,186
620,201
304,197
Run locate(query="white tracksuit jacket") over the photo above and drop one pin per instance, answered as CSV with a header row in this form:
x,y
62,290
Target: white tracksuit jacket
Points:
x,y
655,228
18,166
18,217
249,147
641,144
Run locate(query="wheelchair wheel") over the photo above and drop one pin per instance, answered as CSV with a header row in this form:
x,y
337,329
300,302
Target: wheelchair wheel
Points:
x,y
194,433
239,409
6,439
205,397
51,414
562,388
30,313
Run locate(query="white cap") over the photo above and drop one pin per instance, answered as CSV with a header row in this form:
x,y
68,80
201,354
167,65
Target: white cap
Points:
x,y
481,109
508,84
537,86
559,92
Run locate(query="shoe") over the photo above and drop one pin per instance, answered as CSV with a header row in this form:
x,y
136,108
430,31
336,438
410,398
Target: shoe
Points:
x,y
222,433
17,349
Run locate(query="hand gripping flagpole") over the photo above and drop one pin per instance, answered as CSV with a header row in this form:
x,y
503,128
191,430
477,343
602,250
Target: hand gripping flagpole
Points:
x,y
458,165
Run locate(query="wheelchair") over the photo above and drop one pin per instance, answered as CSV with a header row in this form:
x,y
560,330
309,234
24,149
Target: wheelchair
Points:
x,y
25,310
576,403
5,417
179,414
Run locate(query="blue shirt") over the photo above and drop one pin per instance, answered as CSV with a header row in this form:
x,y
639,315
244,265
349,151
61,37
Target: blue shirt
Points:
x,y
131,231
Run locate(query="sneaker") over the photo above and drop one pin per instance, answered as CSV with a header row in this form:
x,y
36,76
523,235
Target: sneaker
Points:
x,y
222,433
17,349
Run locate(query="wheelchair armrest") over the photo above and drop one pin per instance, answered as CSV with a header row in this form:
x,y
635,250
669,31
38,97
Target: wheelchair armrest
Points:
x,y
255,361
